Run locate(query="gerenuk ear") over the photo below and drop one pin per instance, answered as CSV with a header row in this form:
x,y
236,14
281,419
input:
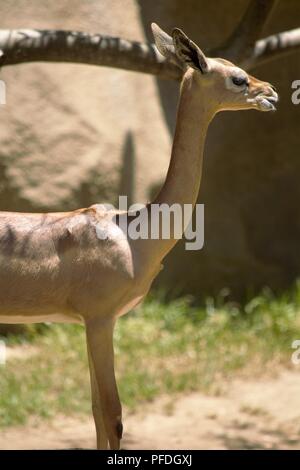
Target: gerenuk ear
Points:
x,y
164,43
188,52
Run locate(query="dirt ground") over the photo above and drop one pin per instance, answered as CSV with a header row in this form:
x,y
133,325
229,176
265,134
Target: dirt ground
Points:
x,y
262,414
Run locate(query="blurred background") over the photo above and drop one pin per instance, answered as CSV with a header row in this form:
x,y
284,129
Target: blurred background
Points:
x,y
72,135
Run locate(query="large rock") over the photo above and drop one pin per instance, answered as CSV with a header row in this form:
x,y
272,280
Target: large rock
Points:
x,y
67,130
72,135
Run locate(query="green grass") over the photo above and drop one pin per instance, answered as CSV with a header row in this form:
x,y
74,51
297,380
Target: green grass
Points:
x,y
160,348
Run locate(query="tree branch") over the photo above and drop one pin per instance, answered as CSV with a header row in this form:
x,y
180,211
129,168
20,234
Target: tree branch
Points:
x,y
240,43
273,47
20,46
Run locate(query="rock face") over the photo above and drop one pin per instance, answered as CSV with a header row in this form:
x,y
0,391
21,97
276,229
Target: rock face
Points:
x,y
67,129
73,135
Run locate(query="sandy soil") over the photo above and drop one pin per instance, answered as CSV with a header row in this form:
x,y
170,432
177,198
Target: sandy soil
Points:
x,y
262,414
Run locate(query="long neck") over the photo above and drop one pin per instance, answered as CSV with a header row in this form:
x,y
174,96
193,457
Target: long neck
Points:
x,y
184,174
